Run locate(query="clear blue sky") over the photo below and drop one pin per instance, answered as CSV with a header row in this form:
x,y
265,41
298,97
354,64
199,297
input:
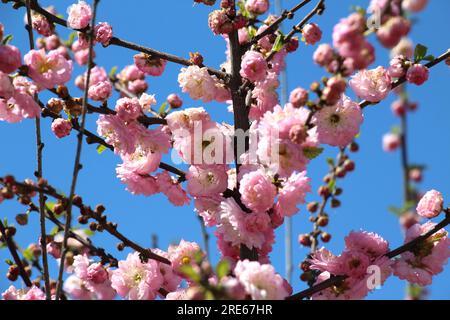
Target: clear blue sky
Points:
x,y
177,27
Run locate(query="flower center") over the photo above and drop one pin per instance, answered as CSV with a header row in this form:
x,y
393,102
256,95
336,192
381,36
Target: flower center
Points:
x,y
335,118
186,260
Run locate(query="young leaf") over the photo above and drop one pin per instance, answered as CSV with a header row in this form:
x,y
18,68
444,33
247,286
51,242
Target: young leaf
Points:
x,y
278,45
420,53
222,269
7,39
312,152
100,149
28,254
112,72
190,273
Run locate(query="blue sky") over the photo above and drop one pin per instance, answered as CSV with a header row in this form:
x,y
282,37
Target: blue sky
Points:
x,y
179,28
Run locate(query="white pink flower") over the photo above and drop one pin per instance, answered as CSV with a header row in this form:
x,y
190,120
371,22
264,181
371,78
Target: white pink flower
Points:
x,y
185,253
427,259
48,70
61,127
137,280
260,281
80,15
198,83
257,7
391,142
312,33
417,74
371,85
431,204
33,293
100,91
414,5
293,193
207,180
298,97
6,86
257,191
150,65
103,33
254,66
10,58
338,125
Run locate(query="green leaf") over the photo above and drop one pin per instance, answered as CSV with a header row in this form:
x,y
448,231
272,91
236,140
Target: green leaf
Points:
x,y
420,53
279,42
252,32
112,72
54,231
7,39
429,57
101,148
243,10
28,254
222,269
330,162
396,130
50,205
332,186
162,108
71,39
9,262
312,152
190,273
396,211
89,232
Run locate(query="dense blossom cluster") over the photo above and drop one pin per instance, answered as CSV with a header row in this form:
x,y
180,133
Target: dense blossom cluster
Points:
x,y
245,195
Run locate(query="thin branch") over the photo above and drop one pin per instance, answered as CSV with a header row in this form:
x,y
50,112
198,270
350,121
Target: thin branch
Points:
x,y
119,42
77,165
287,14
318,9
399,82
39,172
13,250
23,188
205,236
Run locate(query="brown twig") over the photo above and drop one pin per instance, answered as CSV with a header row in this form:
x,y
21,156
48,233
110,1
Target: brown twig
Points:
x,y
13,250
77,165
39,172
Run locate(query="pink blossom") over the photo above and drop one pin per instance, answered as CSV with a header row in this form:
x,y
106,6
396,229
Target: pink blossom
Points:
x,y
48,70
257,7
260,281
417,74
82,56
414,5
208,208
171,281
6,86
150,65
137,184
333,90
253,66
54,249
20,106
368,242
147,101
371,85
207,180
323,55
397,68
128,109
298,97
116,133
76,289
100,91
391,142
404,48
180,294
41,24
427,260
103,33
266,96
338,125
198,83
393,31
183,254
172,189
10,58
33,293
293,193
137,280
131,73
174,101
149,148
399,107
61,127
257,190
219,22
80,15
431,204
312,33
239,227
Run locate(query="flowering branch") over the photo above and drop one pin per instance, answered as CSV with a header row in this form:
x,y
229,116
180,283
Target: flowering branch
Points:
x,y
39,172
272,28
335,280
23,188
77,165
318,9
119,42
13,250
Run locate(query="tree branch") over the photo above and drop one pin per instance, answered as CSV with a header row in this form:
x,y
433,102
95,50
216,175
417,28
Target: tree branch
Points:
x,y
39,172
